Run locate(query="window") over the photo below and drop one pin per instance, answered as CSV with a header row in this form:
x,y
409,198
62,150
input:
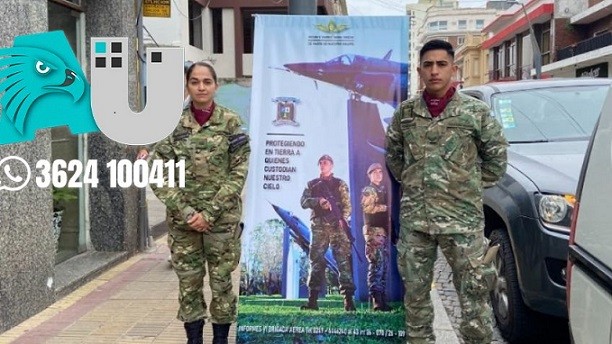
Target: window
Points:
x,y
460,40
217,30
438,25
545,44
476,67
248,25
74,4
512,59
479,23
507,59
69,235
462,25
195,24
499,62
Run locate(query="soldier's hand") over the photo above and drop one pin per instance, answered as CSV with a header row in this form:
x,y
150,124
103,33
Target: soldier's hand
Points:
x,y
142,154
198,223
324,203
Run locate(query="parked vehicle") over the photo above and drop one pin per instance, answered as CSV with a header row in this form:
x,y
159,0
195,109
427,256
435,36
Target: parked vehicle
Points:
x,y
548,124
589,285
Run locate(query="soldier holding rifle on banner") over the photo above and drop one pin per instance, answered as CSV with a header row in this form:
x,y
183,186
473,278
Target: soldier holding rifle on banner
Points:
x,y
328,197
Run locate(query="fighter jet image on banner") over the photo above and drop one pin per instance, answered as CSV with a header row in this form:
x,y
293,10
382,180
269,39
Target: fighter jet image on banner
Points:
x,y
301,235
380,79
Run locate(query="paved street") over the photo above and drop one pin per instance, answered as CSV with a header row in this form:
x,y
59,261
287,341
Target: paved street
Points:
x,y
553,332
444,285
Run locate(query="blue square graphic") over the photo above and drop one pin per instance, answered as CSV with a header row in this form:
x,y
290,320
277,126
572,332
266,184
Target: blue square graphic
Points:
x,y
100,47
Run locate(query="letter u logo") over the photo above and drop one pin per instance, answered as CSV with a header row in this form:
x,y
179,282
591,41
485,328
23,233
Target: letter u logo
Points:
x,y
109,92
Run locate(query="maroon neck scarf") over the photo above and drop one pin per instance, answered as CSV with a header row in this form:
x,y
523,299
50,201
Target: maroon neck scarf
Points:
x,y
202,116
437,105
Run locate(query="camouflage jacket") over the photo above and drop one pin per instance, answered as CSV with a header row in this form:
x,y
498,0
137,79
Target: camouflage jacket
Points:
x,y
319,188
443,163
216,161
374,206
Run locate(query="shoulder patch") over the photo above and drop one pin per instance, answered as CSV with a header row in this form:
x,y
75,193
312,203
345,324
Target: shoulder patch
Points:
x,y
237,141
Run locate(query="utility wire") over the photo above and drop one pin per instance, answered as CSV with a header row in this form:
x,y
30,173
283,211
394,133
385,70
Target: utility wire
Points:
x,y
150,35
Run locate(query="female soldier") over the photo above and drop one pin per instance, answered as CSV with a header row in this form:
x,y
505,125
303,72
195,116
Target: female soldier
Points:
x,y
204,216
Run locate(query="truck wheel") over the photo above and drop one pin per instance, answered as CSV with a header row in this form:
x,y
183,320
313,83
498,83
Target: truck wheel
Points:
x,y
515,321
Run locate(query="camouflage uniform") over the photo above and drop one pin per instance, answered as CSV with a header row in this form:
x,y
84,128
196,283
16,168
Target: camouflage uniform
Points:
x,y
443,164
216,161
326,231
375,232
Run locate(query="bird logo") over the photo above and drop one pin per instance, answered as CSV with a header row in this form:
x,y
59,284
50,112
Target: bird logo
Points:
x,y
42,85
26,74
332,27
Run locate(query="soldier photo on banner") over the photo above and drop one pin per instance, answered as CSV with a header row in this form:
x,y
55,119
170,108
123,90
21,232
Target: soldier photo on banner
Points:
x,y
377,232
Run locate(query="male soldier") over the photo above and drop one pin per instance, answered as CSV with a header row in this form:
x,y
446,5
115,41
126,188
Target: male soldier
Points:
x,y
328,197
375,231
444,147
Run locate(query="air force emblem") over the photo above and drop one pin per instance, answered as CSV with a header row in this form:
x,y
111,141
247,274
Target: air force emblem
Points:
x,y
285,111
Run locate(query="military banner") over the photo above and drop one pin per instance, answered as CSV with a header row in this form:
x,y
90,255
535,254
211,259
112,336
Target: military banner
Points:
x,y
318,260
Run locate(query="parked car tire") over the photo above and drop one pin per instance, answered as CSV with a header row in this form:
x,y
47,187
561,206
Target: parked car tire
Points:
x,y
515,321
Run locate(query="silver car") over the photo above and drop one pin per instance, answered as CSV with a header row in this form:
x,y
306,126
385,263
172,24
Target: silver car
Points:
x,y
589,284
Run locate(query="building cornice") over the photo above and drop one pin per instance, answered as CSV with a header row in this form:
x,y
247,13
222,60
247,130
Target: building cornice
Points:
x,y
593,13
541,14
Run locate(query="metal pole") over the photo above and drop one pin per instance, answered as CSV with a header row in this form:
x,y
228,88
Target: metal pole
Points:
x,y
303,7
143,213
537,54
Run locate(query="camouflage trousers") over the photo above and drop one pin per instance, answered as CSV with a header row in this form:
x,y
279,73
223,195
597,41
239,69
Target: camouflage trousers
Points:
x,y
191,252
377,254
324,236
416,257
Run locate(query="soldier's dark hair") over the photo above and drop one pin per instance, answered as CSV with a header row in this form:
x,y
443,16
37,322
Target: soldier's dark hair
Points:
x,y
437,44
201,64
186,66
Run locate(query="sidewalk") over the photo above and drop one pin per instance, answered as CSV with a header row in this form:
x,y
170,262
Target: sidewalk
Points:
x,y
136,302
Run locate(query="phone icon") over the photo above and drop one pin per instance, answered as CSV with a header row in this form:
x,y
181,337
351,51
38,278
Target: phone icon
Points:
x,y
7,172
19,181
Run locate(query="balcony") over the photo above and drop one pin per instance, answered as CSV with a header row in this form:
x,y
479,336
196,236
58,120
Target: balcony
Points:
x,y
523,73
585,46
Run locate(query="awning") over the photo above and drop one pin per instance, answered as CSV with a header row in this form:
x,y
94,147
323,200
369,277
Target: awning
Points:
x,y
541,14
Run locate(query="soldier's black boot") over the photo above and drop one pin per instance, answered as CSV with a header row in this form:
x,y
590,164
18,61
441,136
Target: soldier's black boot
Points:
x,y
380,303
312,301
349,305
195,330
220,332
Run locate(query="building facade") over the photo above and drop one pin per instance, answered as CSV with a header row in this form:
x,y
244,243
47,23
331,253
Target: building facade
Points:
x,y
221,31
511,45
585,48
452,24
100,225
417,14
574,39
472,61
